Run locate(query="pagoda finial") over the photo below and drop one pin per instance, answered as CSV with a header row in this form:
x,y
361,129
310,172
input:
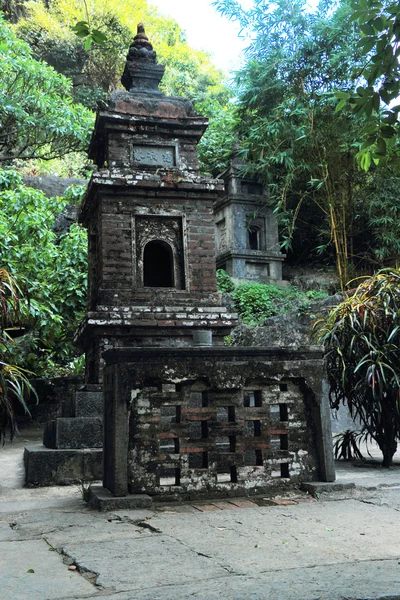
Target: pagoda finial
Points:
x,y
142,73
141,40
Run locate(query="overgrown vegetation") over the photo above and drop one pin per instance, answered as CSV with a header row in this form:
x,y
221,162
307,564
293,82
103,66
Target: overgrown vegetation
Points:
x,y
94,62
377,98
362,341
256,302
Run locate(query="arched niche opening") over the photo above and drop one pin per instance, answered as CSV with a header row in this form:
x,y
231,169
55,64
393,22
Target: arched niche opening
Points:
x,y
158,265
253,239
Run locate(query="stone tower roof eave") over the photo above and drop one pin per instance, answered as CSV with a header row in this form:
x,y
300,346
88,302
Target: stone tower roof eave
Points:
x,y
181,126
114,181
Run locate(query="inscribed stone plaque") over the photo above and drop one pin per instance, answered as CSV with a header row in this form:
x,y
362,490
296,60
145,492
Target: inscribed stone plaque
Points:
x,y
257,270
154,156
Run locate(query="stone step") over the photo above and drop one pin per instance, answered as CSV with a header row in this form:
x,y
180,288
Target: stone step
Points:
x,y
73,433
45,466
84,404
102,499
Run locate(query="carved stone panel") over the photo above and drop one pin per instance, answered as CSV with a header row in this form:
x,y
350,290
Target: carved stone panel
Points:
x,y
163,234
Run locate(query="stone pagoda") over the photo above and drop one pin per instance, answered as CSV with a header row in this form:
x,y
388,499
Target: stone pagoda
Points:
x,y
184,416
246,229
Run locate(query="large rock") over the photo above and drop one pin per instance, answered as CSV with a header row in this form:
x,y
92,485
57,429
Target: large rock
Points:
x,y
290,330
51,185
309,278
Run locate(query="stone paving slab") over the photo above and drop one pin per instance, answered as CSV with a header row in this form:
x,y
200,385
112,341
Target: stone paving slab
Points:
x,y
96,533
253,540
51,579
142,562
6,532
370,580
305,551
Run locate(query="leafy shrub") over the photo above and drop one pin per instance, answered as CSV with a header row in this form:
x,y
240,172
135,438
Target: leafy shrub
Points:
x,y
224,282
347,445
14,383
256,302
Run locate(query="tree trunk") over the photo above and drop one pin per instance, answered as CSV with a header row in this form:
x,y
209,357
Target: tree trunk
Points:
x,y
388,448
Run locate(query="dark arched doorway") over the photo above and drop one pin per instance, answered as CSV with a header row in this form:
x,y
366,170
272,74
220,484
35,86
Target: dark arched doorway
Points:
x,y
253,238
158,265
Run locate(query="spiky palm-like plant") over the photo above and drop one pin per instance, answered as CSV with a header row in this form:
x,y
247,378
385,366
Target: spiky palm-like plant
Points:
x,y
14,383
362,341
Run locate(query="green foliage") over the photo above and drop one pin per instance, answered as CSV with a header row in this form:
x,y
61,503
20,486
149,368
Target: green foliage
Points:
x,y
382,191
292,136
58,32
224,282
362,341
38,118
216,145
54,271
92,53
256,302
378,80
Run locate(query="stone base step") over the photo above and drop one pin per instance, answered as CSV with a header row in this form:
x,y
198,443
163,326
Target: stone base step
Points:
x,y
67,433
102,499
45,466
83,404
316,488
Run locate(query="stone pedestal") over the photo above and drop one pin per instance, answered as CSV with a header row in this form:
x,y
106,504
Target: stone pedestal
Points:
x,y
72,444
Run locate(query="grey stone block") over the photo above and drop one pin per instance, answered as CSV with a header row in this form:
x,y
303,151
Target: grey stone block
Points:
x,y
76,432
83,404
87,404
103,500
45,466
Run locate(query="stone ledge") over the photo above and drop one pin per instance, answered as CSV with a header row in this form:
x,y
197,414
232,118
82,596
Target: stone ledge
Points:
x,y
102,499
314,488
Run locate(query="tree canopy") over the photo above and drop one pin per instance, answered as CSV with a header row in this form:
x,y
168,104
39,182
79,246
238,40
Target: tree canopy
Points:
x,y
38,116
292,135
59,32
47,27
378,80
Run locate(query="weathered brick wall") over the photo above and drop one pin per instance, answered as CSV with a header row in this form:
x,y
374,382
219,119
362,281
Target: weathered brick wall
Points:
x,y
116,262
196,438
218,422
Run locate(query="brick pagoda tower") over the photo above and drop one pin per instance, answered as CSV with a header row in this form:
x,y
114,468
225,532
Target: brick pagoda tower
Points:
x,y
149,215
